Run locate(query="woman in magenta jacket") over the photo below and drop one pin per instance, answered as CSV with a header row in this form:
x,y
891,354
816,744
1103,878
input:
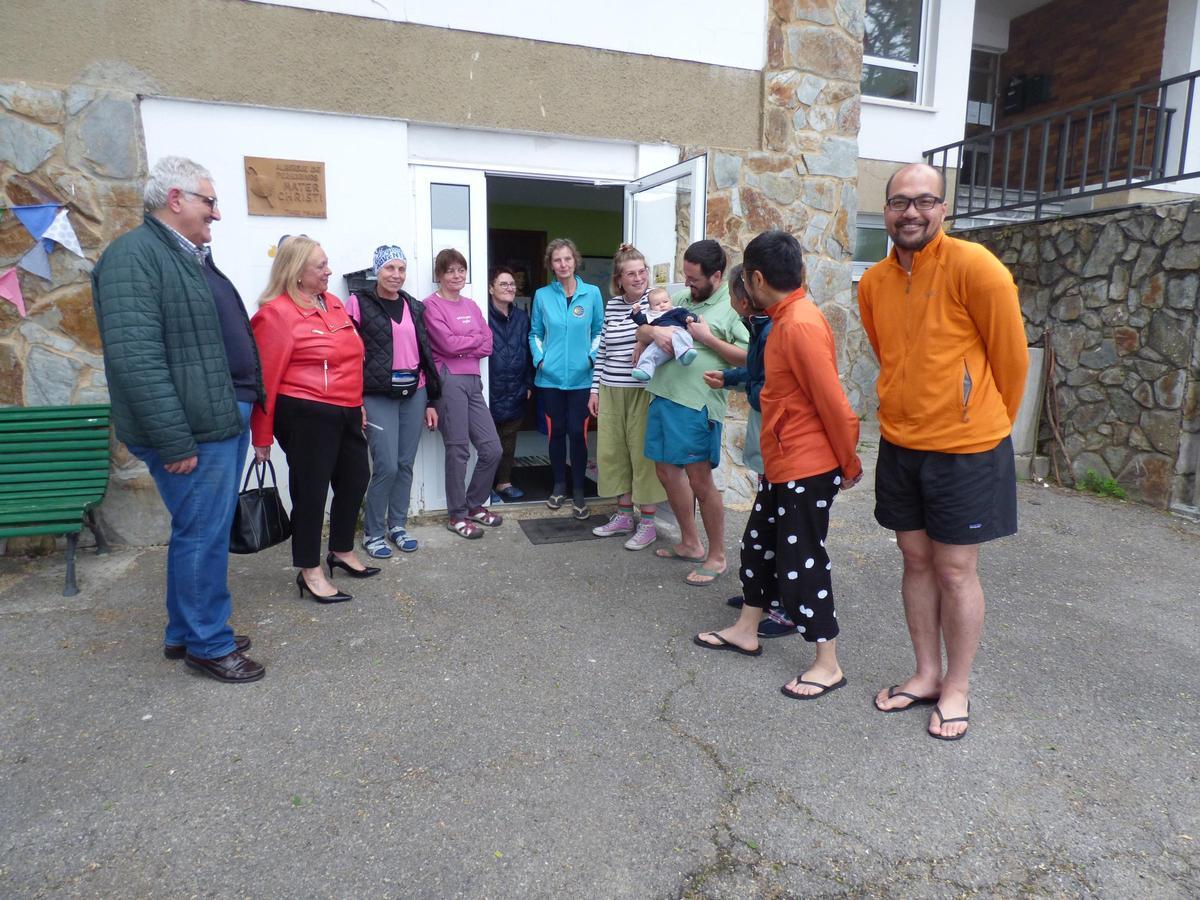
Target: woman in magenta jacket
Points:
x,y
460,337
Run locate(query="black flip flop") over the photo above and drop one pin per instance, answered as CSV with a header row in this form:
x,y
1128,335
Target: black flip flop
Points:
x,y
724,645
894,691
826,688
937,710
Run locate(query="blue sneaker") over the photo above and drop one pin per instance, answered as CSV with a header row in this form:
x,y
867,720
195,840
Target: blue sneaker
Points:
x,y
639,375
686,357
376,547
772,627
404,541
509,494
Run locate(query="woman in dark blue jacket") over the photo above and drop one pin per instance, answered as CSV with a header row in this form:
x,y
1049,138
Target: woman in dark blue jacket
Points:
x,y
510,373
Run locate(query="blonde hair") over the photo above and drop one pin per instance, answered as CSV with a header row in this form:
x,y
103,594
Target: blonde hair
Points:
x,y
557,244
654,293
625,253
291,258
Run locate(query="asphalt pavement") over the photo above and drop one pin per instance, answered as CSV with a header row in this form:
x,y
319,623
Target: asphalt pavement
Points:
x,y
496,719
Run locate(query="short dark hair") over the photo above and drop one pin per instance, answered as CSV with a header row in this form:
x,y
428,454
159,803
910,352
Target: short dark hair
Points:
x,y
708,255
777,255
445,259
887,188
497,271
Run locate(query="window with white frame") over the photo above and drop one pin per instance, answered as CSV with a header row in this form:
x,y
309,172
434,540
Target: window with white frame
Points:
x,y
894,49
871,243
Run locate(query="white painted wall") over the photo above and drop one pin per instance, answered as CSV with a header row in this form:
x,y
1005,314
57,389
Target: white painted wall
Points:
x,y
902,131
721,32
369,197
992,18
1181,54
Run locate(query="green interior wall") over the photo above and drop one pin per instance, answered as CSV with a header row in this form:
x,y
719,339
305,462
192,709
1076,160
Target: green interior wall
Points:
x,y
594,233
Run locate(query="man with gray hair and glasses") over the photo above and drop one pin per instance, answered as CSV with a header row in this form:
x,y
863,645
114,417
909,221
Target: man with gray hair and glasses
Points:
x,y
183,372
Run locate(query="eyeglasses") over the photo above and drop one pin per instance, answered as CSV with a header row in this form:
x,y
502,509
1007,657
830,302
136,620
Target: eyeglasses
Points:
x,y
924,203
210,202
506,285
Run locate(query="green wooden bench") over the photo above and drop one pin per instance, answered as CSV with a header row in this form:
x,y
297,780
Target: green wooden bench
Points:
x,y
53,473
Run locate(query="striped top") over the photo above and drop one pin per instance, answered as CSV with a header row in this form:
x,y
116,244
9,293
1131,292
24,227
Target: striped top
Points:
x,y
614,358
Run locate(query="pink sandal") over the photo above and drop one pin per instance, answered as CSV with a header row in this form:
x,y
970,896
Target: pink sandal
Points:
x,y
463,528
481,515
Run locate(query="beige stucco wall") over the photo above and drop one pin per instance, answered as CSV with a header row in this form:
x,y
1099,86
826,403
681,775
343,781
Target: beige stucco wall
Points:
x,y
298,59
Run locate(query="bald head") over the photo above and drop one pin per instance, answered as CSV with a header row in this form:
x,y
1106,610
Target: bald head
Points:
x,y
924,169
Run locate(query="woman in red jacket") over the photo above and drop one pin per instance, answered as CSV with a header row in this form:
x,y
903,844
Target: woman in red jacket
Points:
x,y
312,361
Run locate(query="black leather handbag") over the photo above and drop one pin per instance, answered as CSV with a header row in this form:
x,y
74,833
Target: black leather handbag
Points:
x,y
259,521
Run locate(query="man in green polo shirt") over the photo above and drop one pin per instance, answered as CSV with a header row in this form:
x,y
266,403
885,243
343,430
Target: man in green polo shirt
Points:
x,y
683,426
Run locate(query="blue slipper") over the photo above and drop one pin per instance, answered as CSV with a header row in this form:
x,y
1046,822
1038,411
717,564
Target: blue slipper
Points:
x,y
404,541
376,548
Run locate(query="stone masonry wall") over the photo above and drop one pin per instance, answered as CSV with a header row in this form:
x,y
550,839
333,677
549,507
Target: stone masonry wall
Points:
x,y
1117,293
81,147
802,181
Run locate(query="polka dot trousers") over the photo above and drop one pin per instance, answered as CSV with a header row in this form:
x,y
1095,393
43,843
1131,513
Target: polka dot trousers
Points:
x,y
784,562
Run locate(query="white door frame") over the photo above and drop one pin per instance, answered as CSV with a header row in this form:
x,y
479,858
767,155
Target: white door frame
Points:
x,y
430,464
697,167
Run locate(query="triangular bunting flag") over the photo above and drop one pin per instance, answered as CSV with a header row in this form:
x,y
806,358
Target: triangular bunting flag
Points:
x,y
36,261
36,219
61,232
10,289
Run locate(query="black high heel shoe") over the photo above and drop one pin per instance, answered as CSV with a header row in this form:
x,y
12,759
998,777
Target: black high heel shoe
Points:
x,y
337,597
365,572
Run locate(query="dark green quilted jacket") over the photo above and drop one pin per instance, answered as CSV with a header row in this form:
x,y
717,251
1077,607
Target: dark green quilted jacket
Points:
x,y
168,375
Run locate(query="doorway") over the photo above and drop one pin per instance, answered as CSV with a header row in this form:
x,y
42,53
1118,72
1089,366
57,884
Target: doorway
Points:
x,y
523,215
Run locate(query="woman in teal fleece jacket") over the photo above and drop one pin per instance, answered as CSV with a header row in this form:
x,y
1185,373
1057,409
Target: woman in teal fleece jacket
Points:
x,y
568,316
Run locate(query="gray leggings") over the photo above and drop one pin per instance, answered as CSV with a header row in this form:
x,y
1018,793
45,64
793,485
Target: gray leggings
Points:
x,y
393,435
464,419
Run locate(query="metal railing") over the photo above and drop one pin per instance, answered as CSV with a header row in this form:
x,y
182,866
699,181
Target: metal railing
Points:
x,y
1135,138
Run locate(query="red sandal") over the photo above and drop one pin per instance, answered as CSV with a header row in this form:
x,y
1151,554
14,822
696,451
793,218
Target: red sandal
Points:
x,y
466,529
481,515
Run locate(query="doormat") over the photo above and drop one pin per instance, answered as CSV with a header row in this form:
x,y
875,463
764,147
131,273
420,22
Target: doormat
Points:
x,y
562,529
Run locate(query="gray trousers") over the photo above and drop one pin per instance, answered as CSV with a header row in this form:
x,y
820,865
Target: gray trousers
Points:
x,y
464,420
393,435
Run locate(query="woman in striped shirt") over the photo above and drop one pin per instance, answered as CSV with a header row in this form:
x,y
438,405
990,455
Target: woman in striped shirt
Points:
x,y
619,403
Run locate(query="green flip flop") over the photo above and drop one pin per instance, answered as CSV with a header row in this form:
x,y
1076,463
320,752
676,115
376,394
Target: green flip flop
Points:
x,y
711,574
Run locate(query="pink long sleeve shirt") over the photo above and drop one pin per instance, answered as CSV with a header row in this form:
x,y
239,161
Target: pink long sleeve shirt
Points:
x,y
458,333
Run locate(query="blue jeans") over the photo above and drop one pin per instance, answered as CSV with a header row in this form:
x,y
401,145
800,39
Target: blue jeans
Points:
x,y
201,505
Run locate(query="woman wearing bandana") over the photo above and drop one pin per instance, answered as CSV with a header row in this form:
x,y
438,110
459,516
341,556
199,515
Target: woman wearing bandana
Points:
x,y
400,385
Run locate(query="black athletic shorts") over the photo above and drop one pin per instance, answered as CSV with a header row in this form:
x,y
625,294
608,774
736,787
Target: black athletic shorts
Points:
x,y
956,498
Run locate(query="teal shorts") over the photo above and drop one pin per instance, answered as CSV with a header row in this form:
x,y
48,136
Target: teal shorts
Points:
x,y
681,436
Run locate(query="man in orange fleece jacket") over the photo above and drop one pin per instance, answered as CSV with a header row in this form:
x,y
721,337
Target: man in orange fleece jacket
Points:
x,y
944,319
808,440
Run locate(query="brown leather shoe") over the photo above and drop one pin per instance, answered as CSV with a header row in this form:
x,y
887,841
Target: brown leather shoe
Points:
x,y
233,667
241,643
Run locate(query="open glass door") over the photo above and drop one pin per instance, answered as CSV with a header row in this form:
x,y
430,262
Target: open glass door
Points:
x,y
664,213
451,211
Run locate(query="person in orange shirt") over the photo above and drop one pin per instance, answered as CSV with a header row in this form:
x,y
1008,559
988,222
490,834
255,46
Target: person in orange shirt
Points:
x,y
944,320
809,443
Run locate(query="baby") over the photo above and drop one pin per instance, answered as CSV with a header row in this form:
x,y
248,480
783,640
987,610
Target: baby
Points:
x,y
662,313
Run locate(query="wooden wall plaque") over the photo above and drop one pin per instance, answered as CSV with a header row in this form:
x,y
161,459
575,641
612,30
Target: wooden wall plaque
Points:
x,y
285,187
